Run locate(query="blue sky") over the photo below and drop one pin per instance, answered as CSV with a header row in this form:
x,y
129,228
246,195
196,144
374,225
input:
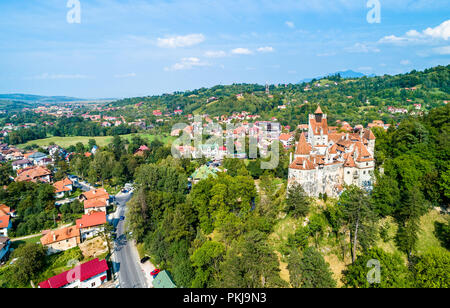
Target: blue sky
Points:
x,y
126,48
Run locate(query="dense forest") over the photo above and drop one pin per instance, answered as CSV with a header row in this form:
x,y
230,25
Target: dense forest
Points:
x,y
358,101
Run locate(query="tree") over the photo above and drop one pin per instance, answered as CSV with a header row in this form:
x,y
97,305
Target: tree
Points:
x,y
5,172
297,202
206,260
359,216
310,270
409,218
432,269
393,272
251,263
316,227
30,262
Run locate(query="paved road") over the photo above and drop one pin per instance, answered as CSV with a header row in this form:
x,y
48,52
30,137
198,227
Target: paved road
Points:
x,y
126,256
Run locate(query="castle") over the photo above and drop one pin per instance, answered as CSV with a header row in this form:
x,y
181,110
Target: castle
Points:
x,y
325,161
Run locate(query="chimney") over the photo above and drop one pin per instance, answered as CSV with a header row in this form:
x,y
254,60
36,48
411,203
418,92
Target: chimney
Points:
x,y
346,136
290,158
54,236
304,164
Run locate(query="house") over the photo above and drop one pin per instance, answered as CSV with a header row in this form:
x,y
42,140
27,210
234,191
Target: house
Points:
x,y
163,281
141,151
61,240
287,140
5,224
95,205
4,247
203,173
6,210
100,193
91,224
34,174
63,187
37,157
157,113
88,275
20,164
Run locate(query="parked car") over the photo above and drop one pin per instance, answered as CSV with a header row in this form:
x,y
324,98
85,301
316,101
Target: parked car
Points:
x,y
144,259
122,218
155,272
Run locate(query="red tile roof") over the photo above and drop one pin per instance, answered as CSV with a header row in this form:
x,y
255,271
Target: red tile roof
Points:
x,y
96,193
4,210
94,203
91,220
303,148
301,163
4,221
81,272
60,235
61,186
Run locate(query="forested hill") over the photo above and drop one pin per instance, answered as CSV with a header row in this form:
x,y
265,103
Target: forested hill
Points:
x,y
357,100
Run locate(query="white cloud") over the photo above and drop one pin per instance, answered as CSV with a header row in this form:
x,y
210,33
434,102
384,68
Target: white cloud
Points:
x,y
362,48
129,75
266,49
290,24
405,62
180,41
215,54
241,51
441,32
444,50
186,63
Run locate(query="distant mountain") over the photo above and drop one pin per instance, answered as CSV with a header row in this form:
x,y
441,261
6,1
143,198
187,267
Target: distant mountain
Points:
x,y
29,98
344,74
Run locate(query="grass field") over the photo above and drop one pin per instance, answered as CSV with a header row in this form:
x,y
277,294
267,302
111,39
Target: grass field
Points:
x,y
101,141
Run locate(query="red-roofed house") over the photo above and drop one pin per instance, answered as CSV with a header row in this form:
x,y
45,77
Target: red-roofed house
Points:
x,y
63,187
95,205
88,275
91,224
5,225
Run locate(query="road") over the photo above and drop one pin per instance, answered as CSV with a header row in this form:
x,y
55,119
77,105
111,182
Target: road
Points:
x,y
125,254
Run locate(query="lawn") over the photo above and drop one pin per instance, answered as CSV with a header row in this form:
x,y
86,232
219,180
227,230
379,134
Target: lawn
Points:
x,y
101,141
33,240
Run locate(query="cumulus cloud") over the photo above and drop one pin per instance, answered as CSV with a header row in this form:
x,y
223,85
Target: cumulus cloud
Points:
x,y
441,32
180,41
215,54
186,63
266,49
241,51
405,62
